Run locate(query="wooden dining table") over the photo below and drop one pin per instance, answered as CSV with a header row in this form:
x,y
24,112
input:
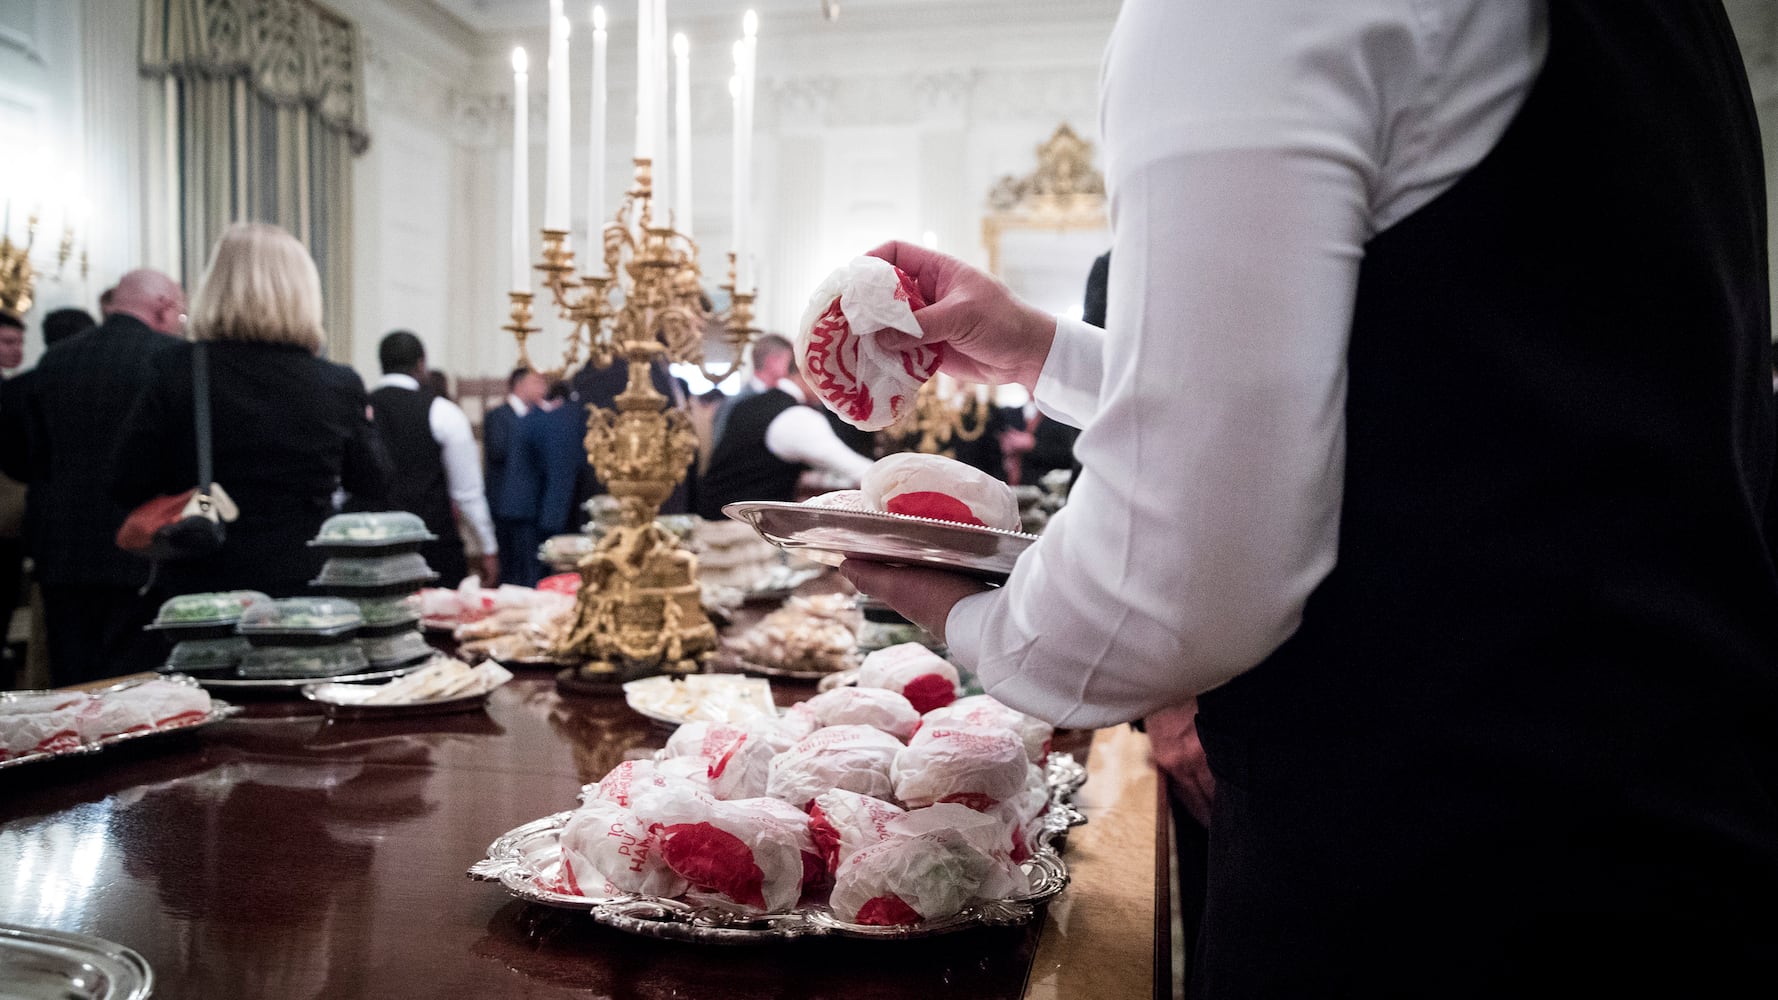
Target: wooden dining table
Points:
x,y
283,854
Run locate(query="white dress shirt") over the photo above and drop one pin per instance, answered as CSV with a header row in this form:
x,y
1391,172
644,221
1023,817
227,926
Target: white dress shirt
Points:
x,y
802,434
519,409
462,462
1251,151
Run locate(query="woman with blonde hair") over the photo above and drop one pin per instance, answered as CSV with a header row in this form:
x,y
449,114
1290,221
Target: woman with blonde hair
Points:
x,y
289,428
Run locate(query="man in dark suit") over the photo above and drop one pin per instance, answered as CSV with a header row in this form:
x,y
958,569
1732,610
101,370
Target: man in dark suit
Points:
x,y
76,408
536,499
525,391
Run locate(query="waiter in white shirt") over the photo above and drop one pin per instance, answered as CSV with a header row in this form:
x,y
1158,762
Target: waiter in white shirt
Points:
x,y
432,450
1429,439
771,440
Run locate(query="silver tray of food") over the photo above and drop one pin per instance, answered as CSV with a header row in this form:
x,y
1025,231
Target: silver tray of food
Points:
x,y
831,535
527,862
294,685
35,962
37,726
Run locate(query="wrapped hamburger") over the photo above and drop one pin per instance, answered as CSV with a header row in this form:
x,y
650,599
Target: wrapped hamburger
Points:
x,y
154,704
849,757
738,757
844,823
632,777
926,679
40,723
874,707
975,766
942,488
606,850
853,370
752,853
931,863
981,710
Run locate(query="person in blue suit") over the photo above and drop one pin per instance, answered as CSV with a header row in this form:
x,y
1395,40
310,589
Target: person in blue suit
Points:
x,y
536,498
525,392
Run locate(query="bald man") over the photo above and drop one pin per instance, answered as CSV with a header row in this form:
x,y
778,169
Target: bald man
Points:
x,y
82,392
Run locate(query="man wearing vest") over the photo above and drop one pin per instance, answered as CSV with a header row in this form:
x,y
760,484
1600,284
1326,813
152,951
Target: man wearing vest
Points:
x,y
772,438
432,450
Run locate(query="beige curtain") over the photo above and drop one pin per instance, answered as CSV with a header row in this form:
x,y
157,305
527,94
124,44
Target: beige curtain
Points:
x,y
266,110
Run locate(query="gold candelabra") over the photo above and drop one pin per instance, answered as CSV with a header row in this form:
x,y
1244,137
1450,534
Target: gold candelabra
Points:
x,y
18,274
945,414
639,609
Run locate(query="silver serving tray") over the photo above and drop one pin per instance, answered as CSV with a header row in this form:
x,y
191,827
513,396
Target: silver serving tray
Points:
x,y
55,964
831,535
527,860
219,710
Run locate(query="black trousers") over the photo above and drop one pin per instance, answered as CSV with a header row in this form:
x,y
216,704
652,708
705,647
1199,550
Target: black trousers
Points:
x,y
96,632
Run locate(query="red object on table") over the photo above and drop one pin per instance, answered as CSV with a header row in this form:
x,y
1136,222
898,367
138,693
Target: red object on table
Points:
x,y
561,583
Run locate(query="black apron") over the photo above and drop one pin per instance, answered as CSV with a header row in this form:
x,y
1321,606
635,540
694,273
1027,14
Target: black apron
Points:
x,y
1525,741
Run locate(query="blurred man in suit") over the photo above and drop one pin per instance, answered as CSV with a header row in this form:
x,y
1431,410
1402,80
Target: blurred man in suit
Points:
x,y
537,493
81,393
525,391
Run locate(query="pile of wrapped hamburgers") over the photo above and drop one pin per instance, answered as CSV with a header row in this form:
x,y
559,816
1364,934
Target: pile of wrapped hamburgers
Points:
x,y
892,802
36,723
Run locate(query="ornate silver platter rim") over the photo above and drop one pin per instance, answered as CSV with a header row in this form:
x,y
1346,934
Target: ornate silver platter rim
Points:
x,y
219,710
515,858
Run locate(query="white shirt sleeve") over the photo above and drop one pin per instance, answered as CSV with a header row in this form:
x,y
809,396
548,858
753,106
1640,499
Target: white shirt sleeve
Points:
x,y
1251,151
800,434
1068,386
463,468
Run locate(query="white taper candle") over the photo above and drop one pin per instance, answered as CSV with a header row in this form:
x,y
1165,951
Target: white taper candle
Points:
x,y
521,174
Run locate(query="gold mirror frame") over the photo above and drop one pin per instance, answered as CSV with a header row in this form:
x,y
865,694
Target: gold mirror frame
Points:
x,y
1065,193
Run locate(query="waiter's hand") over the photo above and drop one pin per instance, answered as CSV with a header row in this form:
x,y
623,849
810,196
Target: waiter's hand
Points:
x,y
1173,736
993,337
490,569
922,596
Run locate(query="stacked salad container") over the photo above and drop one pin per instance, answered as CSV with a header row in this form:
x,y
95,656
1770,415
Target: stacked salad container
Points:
x,y
372,561
202,630
301,637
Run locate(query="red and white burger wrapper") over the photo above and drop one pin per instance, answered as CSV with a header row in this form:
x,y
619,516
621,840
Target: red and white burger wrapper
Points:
x,y
837,349
849,757
982,710
932,863
860,706
633,777
755,853
977,767
926,679
43,730
940,488
1023,814
155,704
606,850
844,823
738,757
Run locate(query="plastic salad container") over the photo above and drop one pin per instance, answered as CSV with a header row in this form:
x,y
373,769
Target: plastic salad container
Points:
x,y
205,616
383,533
388,615
208,654
301,621
395,650
293,662
375,576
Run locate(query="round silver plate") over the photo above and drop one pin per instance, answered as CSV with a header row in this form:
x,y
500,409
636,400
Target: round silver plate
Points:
x,y
44,963
878,537
527,862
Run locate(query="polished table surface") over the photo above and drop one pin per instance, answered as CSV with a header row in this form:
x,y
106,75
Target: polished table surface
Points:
x,y
280,854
